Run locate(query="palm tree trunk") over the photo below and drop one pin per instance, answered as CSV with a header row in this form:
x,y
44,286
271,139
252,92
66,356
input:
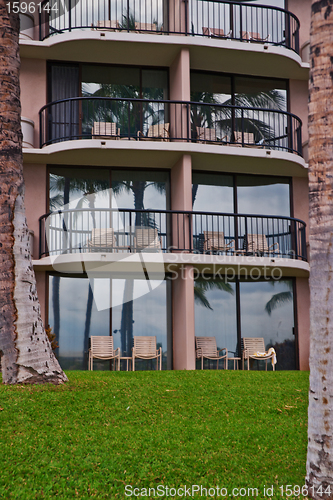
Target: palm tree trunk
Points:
x,y
26,353
320,426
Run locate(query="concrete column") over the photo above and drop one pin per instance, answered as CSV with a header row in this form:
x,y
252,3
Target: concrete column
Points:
x,y
183,320
180,123
183,285
303,321
301,204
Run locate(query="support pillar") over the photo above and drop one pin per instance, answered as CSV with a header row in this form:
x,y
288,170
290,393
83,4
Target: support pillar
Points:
x,y
183,285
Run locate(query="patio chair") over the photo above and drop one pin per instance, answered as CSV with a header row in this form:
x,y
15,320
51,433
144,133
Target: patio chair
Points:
x,y
251,36
145,348
102,239
214,241
205,348
105,130
107,25
207,135
144,27
101,347
215,32
256,244
158,132
254,348
147,239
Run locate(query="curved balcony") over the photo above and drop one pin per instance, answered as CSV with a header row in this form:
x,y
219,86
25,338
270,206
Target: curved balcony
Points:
x,y
167,121
167,231
203,18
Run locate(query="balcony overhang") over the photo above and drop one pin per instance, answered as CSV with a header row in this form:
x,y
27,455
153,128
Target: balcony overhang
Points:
x,y
153,154
226,55
115,265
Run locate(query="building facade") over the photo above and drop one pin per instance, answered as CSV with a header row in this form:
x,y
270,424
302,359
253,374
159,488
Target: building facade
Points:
x,y
165,162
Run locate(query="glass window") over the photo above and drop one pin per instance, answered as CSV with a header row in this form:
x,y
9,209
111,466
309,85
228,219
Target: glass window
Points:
x,y
72,312
261,92
212,88
267,311
215,312
79,308
68,186
263,195
212,192
140,189
146,315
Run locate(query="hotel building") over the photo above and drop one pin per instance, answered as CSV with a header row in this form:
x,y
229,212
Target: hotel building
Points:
x,y
165,163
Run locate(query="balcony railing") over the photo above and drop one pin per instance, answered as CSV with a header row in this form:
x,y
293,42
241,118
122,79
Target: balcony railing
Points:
x,y
208,18
168,231
162,120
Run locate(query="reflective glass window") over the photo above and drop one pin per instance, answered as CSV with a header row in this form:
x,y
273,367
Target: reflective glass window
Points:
x,y
263,195
267,311
215,313
79,308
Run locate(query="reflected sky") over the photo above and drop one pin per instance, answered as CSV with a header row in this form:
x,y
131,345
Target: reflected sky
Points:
x,y
149,312
254,297
276,328
261,195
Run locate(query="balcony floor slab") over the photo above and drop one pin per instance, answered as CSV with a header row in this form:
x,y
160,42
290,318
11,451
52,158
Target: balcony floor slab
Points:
x,y
152,154
207,54
157,264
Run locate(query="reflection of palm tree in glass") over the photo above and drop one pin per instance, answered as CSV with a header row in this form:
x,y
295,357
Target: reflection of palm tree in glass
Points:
x,y
130,116
280,298
227,120
137,188
87,188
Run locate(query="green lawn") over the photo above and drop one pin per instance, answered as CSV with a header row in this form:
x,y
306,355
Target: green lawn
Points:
x,y
105,430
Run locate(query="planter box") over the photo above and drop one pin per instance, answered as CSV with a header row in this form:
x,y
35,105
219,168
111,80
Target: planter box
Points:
x,y
28,127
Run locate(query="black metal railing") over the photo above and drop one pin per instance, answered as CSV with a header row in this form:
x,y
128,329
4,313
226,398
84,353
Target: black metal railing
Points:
x,y
169,231
207,18
142,119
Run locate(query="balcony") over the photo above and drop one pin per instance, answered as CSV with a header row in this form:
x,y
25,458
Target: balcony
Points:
x,y
196,18
123,231
169,121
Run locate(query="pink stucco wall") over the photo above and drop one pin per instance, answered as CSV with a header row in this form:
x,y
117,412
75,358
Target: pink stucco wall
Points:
x,y
35,198
183,286
33,91
183,320
299,96
302,9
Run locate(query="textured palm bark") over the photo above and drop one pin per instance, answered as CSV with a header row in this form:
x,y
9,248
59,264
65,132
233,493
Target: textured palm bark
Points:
x,y
320,427
26,353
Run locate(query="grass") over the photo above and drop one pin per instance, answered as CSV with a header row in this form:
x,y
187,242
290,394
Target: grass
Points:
x,y
104,430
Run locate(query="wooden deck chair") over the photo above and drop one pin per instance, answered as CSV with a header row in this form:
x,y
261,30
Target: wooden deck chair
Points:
x,y
145,348
102,239
207,135
254,348
101,347
252,36
106,25
105,130
215,32
205,348
256,244
158,132
146,239
249,141
214,241
144,27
